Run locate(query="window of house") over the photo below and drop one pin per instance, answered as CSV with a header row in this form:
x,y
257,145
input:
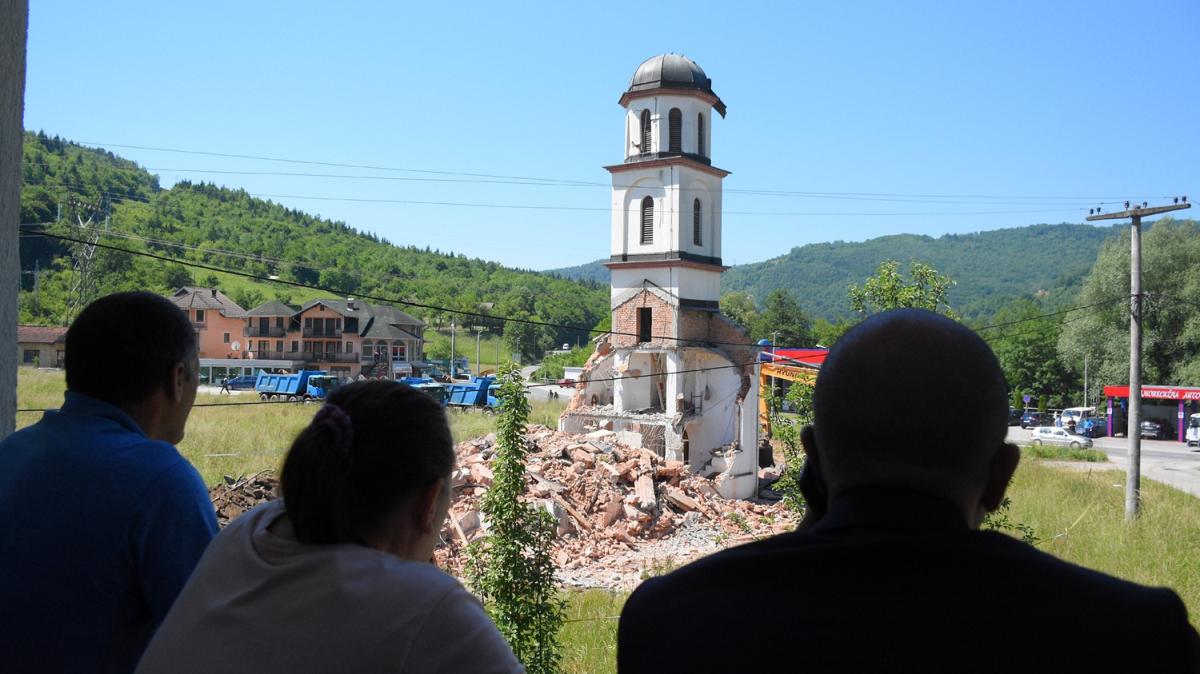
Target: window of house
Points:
x,y
349,347
199,315
675,128
225,337
279,346
28,356
295,346
645,147
644,321
399,352
697,221
700,134
279,322
262,346
647,220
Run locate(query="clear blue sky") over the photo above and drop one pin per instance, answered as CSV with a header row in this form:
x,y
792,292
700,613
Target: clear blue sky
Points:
x,y
1085,100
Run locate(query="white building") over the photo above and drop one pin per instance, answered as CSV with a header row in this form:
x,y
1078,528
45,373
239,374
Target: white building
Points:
x,y
675,376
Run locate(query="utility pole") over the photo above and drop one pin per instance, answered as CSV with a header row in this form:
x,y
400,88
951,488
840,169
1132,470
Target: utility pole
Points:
x,y
452,333
1133,495
478,334
1085,381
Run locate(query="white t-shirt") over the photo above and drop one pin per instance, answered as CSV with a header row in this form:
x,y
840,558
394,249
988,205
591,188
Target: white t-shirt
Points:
x,y
261,601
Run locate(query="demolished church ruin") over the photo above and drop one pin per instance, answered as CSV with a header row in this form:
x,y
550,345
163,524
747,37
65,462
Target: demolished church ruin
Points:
x,y
674,376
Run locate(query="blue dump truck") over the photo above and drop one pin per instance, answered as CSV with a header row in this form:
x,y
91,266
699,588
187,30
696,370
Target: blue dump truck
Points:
x,y
305,385
434,389
478,393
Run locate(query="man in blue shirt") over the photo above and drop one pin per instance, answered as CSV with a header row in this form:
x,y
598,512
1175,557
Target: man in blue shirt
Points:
x,y
101,519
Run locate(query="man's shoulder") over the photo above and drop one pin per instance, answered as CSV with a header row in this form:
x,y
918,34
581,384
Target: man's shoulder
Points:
x,y
967,557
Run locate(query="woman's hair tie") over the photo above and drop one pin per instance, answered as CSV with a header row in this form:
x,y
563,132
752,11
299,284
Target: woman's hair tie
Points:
x,y
338,423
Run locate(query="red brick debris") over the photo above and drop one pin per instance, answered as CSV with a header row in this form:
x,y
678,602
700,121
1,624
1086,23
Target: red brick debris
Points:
x,y
622,512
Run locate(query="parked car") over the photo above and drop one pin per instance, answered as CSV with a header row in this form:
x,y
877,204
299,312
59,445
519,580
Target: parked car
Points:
x,y
1014,416
1053,435
1193,431
243,383
1032,418
1154,429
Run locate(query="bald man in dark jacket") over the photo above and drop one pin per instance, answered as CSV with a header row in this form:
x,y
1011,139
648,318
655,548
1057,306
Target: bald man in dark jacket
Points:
x,y
889,571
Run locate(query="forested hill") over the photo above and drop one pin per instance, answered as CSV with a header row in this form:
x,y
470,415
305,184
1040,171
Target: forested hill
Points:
x,y
990,268
228,228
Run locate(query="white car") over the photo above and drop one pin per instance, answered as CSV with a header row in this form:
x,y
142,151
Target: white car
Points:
x,y
1193,431
1052,435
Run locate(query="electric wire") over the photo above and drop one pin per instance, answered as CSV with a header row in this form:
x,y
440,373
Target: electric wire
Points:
x,y
472,314
1088,199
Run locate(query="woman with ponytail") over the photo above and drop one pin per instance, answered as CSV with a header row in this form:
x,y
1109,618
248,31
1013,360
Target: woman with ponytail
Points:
x,y
336,576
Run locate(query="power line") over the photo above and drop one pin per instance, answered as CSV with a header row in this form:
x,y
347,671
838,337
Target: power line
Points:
x,y
536,179
472,314
598,209
548,182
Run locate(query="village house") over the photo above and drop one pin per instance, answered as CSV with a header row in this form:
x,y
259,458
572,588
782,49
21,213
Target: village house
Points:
x,y
675,376
40,346
343,337
217,318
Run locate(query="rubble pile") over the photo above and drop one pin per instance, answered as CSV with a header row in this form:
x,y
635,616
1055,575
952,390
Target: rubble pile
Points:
x,y
622,512
235,496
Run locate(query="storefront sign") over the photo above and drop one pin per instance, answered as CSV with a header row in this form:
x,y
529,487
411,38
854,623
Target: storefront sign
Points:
x,y
1156,392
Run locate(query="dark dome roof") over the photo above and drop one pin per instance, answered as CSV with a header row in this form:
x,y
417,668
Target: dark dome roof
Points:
x,y
673,71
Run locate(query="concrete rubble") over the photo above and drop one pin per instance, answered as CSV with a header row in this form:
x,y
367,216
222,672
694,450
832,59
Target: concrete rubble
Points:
x,y
623,513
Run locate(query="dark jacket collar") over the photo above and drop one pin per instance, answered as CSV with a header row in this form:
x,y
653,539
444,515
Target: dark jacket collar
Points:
x,y
78,404
890,508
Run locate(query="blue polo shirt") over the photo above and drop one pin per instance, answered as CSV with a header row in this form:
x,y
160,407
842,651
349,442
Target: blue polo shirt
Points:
x,y
100,527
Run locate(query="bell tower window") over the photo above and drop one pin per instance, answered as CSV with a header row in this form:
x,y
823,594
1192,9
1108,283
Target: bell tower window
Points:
x,y
700,135
645,147
697,221
647,220
675,125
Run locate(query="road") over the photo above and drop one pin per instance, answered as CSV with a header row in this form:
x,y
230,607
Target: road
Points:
x,y
543,392
1166,461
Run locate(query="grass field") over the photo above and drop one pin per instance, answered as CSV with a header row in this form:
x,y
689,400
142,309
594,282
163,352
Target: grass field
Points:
x,y
1078,515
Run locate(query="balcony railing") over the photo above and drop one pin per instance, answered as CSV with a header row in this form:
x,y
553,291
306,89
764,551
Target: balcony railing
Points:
x,y
322,332
269,355
200,325
259,331
295,355
370,358
333,357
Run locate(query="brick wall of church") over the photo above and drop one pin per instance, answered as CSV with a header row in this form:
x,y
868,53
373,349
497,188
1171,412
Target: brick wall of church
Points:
x,y
625,320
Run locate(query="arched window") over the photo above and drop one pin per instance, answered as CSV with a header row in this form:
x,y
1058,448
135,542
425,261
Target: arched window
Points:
x,y
697,221
645,148
700,134
675,125
648,220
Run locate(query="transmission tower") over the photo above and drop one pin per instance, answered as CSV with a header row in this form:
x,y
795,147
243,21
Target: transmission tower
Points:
x,y
89,231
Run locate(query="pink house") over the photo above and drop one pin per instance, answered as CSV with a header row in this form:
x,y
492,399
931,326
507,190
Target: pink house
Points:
x,y
218,320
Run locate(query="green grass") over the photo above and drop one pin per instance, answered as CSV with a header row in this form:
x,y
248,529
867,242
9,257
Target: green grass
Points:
x,y
1080,517
589,638
1056,453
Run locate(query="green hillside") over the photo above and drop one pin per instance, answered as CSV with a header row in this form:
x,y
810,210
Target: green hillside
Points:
x,y
228,228
991,268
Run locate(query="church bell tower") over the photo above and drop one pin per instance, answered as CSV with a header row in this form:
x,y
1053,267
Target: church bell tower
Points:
x,y
666,197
